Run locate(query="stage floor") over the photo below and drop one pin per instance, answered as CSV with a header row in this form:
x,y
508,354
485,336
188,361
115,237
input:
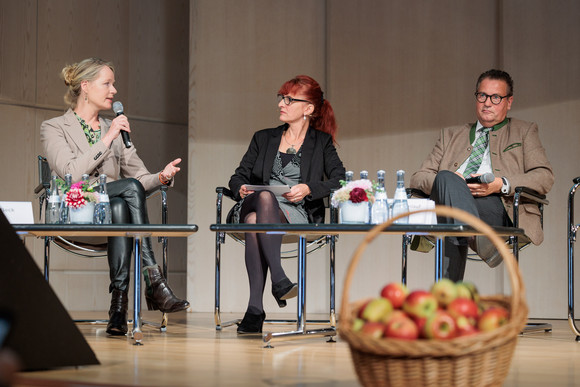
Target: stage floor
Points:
x,y
192,352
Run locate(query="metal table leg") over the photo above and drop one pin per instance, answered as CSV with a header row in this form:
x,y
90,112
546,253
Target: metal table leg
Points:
x,y
439,254
300,331
572,229
137,333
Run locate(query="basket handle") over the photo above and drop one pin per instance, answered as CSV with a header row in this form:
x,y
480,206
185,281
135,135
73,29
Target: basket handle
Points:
x,y
515,276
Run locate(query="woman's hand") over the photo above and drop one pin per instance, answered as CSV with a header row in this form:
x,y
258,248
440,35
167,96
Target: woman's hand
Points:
x,y
244,192
119,124
170,170
297,193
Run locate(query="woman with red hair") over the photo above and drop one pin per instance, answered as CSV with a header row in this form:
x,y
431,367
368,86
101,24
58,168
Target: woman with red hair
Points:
x,y
301,154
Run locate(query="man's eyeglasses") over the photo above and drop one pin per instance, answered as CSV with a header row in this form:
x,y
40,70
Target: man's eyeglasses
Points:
x,y
495,98
288,100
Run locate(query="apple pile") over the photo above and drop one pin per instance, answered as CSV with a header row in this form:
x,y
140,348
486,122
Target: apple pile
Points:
x,y
448,310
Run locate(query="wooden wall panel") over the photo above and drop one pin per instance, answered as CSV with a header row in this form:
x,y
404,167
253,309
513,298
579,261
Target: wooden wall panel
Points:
x,y
240,54
17,50
157,48
542,52
72,31
148,43
399,67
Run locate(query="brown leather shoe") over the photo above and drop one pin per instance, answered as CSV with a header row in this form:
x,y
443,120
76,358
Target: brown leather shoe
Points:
x,y
158,294
117,325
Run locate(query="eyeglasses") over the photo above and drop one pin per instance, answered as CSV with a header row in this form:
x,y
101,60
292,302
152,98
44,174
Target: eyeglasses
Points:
x,y
495,99
288,100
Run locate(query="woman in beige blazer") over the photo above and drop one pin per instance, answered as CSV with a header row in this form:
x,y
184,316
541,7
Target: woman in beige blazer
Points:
x,y
82,142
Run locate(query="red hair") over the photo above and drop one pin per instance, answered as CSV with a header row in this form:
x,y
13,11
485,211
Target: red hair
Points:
x,y
322,117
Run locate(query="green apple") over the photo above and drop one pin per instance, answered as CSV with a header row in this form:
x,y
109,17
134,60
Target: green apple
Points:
x,y
377,310
444,291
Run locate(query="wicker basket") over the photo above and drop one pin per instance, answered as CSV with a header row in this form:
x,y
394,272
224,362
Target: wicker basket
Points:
x,y
478,360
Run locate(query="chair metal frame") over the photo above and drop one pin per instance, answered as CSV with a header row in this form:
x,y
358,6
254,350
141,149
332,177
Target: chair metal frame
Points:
x,y
572,230
521,194
311,244
84,250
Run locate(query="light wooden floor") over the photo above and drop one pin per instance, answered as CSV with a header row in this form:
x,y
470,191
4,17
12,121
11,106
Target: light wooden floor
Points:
x,y
192,352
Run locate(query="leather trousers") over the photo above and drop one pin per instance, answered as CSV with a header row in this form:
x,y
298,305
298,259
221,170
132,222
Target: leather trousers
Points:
x,y
128,206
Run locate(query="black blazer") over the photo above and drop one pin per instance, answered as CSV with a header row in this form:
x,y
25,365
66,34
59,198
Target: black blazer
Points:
x,y
319,160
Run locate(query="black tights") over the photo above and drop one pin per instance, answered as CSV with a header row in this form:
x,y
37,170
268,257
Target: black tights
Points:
x,y
262,250
127,197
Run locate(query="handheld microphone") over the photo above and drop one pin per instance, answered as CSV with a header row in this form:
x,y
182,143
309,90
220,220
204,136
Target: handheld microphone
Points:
x,y
118,109
486,178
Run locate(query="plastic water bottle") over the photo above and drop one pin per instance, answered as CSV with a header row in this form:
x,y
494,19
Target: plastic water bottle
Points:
x,y
348,176
52,215
380,208
64,211
400,204
102,213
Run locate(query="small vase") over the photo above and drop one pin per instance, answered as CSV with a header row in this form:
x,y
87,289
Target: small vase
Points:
x,y
83,215
354,212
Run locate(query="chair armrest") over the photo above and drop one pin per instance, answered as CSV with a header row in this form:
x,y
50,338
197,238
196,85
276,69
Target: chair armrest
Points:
x,y
414,192
576,180
39,188
531,195
225,191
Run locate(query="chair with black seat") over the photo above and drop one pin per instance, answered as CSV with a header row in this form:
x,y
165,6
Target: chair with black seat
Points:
x,y
90,247
572,230
313,243
521,195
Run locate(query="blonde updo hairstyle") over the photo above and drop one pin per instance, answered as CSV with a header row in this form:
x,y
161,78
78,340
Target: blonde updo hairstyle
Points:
x,y
75,74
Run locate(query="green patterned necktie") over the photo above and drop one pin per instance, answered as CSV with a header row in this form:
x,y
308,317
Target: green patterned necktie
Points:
x,y
477,153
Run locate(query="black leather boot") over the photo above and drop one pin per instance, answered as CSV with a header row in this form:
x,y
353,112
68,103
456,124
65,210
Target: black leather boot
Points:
x,y
117,324
251,323
158,294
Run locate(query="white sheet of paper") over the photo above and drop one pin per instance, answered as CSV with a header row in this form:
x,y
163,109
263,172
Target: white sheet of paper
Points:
x,y
277,190
18,212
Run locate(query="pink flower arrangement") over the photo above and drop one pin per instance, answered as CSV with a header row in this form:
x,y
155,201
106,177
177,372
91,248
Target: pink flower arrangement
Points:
x,y
356,191
79,195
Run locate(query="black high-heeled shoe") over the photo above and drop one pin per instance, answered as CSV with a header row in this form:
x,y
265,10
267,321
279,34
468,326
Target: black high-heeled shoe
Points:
x,y
284,290
251,323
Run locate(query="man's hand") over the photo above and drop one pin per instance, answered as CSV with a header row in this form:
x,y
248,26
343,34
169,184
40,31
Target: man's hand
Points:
x,y
479,190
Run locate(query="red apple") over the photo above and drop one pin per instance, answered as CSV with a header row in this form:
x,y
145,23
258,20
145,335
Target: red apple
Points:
x,y
401,327
464,326
395,292
420,303
420,322
440,325
444,291
377,310
394,314
463,307
492,318
373,329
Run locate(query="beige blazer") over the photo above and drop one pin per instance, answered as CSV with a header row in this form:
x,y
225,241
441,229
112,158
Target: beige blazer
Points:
x,y
68,151
516,153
